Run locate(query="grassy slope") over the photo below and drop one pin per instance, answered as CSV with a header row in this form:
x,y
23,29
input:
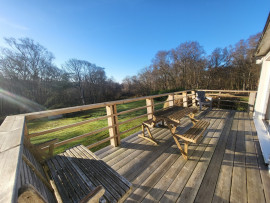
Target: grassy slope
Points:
x,y
44,124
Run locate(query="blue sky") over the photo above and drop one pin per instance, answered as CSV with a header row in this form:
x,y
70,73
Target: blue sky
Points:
x,y
123,36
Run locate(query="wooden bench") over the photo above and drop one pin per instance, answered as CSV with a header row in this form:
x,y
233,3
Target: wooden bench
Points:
x,y
193,135
76,175
78,171
174,114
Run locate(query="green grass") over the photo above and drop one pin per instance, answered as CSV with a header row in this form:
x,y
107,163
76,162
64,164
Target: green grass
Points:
x,y
45,124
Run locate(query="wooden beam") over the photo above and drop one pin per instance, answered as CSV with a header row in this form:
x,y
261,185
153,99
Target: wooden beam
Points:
x,y
185,99
193,93
171,99
113,123
150,107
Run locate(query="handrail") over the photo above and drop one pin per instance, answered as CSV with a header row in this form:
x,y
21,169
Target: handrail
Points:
x,y
42,114
112,114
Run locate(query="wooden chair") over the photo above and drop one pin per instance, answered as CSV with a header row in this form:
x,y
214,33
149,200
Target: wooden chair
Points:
x,y
203,100
76,175
193,135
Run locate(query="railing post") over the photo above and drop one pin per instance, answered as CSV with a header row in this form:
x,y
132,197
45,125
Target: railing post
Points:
x,y
185,99
150,108
113,122
219,99
171,99
193,98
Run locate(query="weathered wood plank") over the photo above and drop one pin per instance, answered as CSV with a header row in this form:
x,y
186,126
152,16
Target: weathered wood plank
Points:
x,y
106,167
64,194
92,176
223,185
160,188
126,150
192,186
10,163
238,188
255,191
207,187
124,143
63,174
11,137
104,176
125,166
178,184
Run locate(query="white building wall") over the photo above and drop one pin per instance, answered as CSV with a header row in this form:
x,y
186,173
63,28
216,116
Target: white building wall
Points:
x,y
263,92
262,109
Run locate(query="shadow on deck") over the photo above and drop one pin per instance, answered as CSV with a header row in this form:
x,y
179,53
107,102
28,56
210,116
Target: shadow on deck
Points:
x,y
226,165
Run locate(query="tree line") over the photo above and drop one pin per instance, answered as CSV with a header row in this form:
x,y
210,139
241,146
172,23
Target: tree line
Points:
x,y
188,67
30,81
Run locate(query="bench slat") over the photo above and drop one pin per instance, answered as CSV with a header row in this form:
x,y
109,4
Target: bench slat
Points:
x,y
88,173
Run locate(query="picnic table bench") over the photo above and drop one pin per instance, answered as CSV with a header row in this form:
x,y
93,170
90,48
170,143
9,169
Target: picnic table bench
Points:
x,y
193,135
174,114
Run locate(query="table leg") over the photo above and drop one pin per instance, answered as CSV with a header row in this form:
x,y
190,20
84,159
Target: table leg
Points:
x,y
150,138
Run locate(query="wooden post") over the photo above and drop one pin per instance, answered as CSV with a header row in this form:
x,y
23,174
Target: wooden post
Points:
x,y
150,108
171,99
113,121
251,101
219,99
185,99
193,98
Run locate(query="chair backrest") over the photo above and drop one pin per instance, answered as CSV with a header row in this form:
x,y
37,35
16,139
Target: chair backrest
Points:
x,y
201,95
32,173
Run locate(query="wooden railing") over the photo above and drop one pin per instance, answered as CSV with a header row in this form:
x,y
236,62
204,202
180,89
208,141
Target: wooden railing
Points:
x,y
185,98
112,117
226,98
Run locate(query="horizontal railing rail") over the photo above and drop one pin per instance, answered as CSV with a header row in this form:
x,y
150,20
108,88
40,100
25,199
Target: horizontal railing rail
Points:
x,y
112,116
185,98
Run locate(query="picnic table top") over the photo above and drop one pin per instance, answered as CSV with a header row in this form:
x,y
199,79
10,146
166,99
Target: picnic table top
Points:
x,y
174,113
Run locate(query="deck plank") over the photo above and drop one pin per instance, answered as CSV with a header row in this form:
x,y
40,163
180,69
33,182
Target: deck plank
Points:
x,y
192,186
226,166
160,188
223,185
239,188
254,190
207,187
178,184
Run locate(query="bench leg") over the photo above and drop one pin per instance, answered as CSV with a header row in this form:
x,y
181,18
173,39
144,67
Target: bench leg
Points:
x,y
191,116
150,138
183,152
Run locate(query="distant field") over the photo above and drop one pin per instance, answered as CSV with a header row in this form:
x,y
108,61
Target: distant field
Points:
x,y
44,124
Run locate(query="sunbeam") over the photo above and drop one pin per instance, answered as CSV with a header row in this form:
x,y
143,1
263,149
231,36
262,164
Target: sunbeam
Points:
x,y
20,101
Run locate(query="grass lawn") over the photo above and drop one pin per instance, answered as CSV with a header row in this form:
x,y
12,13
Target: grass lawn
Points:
x,y
45,124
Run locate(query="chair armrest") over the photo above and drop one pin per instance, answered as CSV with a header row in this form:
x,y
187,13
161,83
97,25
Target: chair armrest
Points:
x,y
47,143
209,98
94,196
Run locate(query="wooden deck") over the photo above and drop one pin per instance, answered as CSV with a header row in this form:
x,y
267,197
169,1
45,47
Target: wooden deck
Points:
x,y
226,166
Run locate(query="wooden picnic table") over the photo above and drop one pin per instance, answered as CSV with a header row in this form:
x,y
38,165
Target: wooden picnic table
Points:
x,y
173,114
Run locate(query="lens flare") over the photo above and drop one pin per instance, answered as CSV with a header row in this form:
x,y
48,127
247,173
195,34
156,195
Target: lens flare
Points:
x,y
20,101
